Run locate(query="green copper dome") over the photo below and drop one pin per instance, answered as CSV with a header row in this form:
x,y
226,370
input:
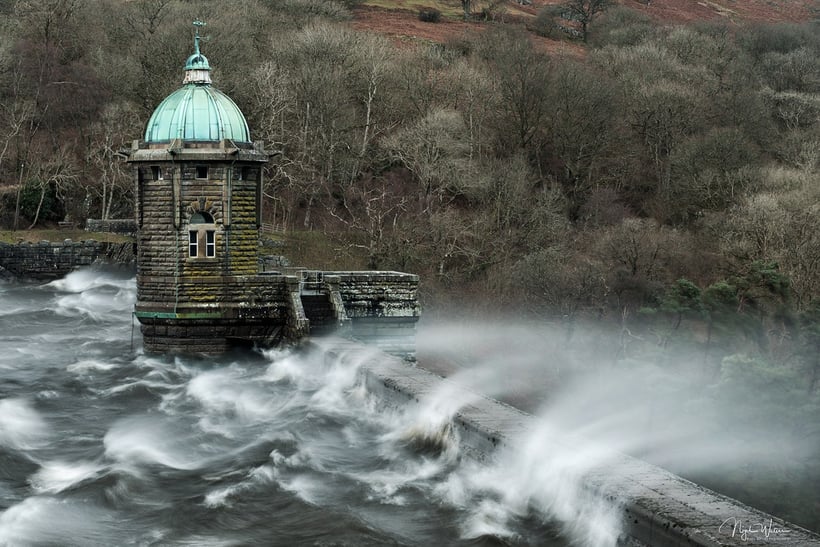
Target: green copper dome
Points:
x,y
197,61
197,111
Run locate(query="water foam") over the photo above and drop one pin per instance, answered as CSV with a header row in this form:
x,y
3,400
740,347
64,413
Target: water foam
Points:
x,y
85,279
46,520
223,497
90,366
147,440
58,476
93,293
230,400
21,427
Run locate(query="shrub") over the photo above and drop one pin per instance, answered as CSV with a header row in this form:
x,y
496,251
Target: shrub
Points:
x,y
622,26
429,15
546,24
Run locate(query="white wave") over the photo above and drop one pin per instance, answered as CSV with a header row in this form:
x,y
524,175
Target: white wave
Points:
x,y
338,379
12,311
89,366
145,440
488,518
44,520
230,397
90,278
21,427
294,460
542,472
385,484
285,368
222,497
57,476
95,304
93,293
128,386
308,488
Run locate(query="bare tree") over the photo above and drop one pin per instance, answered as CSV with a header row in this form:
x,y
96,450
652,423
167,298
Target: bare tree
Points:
x,y
473,93
52,171
112,182
271,98
584,11
433,149
466,5
372,211
521,73
319,150
14,117
373,60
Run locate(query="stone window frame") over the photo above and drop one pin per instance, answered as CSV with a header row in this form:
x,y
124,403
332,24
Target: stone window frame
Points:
x,y
201,172
156,172
201,236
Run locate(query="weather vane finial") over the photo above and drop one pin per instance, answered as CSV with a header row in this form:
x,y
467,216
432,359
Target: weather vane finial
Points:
x,y
197,24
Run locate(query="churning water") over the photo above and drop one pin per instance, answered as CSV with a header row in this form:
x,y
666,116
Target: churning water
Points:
x,y
103,445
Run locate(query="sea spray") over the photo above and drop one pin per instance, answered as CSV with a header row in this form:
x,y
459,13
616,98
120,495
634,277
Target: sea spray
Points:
x,y
21,426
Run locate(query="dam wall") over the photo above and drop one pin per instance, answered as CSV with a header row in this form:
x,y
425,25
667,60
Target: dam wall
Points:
x,y
51,260
659,508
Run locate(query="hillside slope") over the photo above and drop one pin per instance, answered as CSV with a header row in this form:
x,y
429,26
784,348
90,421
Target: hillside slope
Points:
x,y
399,18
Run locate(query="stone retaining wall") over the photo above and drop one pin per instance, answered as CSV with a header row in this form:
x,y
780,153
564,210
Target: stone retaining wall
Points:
x,y
124,226
50,260
382,307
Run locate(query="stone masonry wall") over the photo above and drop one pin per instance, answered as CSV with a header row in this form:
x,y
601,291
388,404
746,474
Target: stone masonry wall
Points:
x,y
164,248
243,235
379,294
383,309
124,226
233,297
210,314
155,216
49,260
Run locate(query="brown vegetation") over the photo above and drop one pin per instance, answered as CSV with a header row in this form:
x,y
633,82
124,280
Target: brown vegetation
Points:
x,y
660,182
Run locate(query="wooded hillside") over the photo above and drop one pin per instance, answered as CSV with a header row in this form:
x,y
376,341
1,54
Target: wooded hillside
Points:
x,y
661,180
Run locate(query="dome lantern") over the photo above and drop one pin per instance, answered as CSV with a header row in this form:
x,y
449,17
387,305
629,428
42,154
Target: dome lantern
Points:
x,y
197,112
197,68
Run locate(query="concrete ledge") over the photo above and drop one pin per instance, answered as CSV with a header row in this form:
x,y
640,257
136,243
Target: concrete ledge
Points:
x,y
660,508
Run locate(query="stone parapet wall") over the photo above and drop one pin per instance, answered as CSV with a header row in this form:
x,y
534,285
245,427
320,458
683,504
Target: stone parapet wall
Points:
x,y
124,226
379,294
382,307
50,260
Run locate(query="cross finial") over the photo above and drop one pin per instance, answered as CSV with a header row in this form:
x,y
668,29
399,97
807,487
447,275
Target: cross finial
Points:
x,y
197,24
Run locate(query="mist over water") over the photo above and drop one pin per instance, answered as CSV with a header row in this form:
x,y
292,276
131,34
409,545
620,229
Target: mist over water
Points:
x,y
103,445
742,436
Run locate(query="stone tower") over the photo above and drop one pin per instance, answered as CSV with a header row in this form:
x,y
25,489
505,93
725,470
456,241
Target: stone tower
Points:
x,y
198,181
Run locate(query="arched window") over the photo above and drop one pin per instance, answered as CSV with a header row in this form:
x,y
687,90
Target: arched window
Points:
x,y
201,236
